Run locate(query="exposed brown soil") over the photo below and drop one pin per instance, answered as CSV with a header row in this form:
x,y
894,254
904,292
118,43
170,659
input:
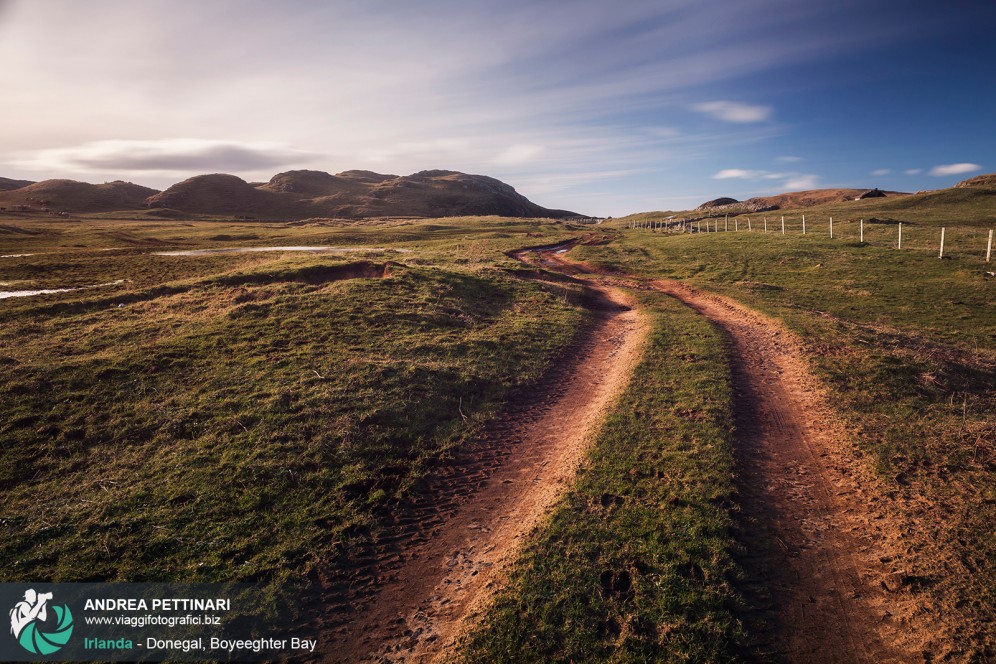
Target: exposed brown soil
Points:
x,y
413,595
823,558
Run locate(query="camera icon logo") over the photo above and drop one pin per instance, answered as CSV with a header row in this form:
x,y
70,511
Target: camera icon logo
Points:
x,y
30,624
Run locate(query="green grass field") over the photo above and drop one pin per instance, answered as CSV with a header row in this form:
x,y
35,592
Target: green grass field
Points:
x,y
206,419
253,416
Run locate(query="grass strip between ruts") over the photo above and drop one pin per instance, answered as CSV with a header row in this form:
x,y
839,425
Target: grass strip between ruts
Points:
x,y
636,563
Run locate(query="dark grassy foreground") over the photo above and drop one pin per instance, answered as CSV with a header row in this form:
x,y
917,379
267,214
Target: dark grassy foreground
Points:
x,y
635,564
907,344
246,417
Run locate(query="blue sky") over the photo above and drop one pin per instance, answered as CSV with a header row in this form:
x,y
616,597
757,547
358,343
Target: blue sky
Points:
x,y
605,107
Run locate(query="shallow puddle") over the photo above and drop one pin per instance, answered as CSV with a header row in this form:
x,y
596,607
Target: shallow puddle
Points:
x,y
46,291
246,250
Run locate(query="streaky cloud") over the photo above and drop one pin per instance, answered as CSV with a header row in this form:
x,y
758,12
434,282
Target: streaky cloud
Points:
x,y
732,111
954,169
168,156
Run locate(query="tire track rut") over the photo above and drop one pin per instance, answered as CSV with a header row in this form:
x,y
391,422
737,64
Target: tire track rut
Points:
x,y
409,595
820,554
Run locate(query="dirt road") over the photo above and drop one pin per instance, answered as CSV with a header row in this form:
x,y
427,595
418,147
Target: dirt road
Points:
x,y
450,551
822,578
820,581
821,558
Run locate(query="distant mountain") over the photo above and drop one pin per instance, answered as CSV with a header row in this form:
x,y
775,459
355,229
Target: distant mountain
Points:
x,y
6,184
351,194
216,194
290,195
73,196
794,199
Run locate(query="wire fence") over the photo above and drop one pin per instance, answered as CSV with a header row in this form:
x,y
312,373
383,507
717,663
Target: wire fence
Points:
x,y
945,241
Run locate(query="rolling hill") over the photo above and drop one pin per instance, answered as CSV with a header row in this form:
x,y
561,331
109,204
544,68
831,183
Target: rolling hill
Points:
x,y
73,196
794,199
292,195
971,202
6,184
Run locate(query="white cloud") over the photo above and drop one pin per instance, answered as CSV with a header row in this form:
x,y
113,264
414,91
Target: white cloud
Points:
x,y
173,155
553,183
788,159
520,153
728,173
733,111
913,171
790,181
802,182
879,172
954,169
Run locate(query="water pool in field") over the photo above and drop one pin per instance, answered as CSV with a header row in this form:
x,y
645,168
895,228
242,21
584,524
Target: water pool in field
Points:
x,y
47,291
247,250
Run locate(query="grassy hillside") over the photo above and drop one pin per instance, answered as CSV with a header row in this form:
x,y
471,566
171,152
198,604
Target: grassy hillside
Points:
x,y
210,417
958,206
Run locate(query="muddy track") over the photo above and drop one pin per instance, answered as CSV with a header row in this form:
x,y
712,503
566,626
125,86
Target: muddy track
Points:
x,y
410,595
823,581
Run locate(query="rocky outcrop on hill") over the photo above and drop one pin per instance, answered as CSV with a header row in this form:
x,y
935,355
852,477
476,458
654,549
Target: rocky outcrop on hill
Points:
x,y
733,205
718,202
988,180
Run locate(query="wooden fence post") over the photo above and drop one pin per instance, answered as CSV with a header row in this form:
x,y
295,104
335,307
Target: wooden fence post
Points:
x,y
900,235
941,254
749,228
862,227
765,224
803,224
783,224
736,224
989,246
831,228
